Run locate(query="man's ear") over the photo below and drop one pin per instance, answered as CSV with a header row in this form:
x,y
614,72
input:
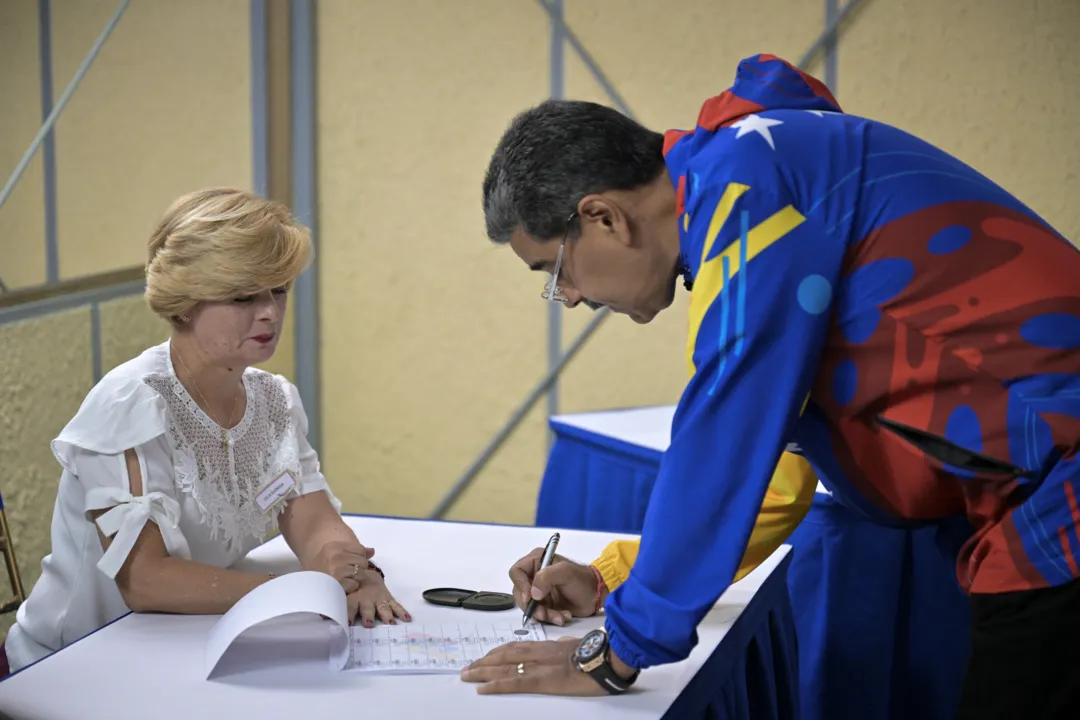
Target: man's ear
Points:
x,y
605,217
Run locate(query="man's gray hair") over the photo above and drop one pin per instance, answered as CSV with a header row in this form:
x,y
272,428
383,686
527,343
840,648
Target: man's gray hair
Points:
x,y
556,153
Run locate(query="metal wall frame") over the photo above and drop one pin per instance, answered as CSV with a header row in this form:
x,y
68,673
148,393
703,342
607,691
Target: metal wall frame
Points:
x,y
45,133
90,292
304,191
305,204
260,110
96,294
91,299
48,148
826,42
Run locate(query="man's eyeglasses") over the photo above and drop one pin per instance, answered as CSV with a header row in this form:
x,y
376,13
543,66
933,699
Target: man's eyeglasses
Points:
x,y
552,291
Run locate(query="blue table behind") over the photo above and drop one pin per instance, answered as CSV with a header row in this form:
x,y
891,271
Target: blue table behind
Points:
x,y
882,625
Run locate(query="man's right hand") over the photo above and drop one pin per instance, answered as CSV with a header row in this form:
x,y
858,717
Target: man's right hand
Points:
x,y
562,590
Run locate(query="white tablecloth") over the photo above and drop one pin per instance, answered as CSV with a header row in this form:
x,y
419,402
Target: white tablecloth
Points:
x,y
151,666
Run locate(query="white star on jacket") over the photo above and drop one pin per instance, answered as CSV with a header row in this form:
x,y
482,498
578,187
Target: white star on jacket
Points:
x,y
759,125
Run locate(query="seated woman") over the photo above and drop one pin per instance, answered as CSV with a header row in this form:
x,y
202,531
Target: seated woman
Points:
x,y
185,458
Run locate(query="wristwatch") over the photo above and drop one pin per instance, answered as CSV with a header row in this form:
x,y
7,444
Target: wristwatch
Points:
x,y
592,657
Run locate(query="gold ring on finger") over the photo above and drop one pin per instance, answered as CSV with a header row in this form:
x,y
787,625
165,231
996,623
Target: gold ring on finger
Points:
x,y
383,602
355,570
521,668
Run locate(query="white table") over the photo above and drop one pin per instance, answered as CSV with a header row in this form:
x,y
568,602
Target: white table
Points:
x,y
647,427
151,666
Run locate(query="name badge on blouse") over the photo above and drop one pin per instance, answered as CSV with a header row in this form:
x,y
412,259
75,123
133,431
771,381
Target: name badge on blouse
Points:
x,y
275,491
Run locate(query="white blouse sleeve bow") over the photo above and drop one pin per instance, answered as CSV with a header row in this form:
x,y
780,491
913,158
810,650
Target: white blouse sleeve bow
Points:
x,y
122,413
126,519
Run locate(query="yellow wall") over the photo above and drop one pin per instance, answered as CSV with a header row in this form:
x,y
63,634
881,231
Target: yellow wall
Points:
x,y
22,218
428,336
165,109
127,328
995,82
431,336
437,336
646,50
44,374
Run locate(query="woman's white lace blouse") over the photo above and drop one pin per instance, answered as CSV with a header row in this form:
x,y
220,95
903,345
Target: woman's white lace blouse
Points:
x,y
200,495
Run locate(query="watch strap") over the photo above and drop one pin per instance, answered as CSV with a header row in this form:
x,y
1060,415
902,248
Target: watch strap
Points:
x,y
610,680
604,674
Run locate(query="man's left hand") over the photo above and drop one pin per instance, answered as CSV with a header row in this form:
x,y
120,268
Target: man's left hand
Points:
x,y
546,668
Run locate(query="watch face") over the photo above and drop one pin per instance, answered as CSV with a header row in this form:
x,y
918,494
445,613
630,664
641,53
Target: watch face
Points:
x,y
591,646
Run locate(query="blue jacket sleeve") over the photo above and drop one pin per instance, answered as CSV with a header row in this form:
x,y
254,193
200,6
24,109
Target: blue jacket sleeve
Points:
x,y
760,309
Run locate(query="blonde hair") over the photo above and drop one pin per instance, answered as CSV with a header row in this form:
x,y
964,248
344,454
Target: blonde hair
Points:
x,y
221,243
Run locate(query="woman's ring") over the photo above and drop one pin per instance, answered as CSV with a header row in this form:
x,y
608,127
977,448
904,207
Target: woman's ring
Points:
x,y
383,602
355,570
521,668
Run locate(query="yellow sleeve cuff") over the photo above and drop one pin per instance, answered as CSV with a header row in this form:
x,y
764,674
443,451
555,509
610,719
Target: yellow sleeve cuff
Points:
x,y
615,562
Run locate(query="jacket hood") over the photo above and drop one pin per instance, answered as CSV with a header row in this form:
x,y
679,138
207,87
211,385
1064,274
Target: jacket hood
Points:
x,y
762,82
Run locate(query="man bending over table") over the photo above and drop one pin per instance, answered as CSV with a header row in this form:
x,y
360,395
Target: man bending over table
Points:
x,y
864,308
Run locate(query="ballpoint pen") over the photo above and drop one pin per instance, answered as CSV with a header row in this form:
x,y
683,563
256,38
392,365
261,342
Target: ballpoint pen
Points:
x,y
549,554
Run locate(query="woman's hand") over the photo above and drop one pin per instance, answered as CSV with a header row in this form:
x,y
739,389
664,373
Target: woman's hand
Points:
x,y
372,599
317,534
344,561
